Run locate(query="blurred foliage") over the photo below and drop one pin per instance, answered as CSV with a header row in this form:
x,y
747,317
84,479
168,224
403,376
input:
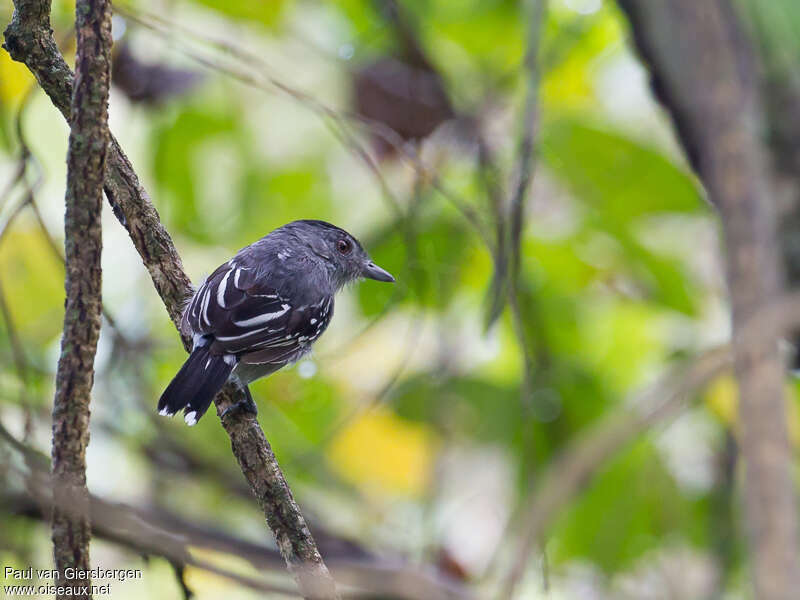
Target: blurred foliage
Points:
x,y
619,278
384,452
263,13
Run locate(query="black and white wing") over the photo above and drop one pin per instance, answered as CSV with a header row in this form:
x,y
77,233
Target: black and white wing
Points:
x,y
239,312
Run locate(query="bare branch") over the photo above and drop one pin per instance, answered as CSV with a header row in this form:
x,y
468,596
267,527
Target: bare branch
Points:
x,y
180,571
20,359
86,160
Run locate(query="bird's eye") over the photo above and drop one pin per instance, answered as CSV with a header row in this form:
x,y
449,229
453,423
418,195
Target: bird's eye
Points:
x,y
344,246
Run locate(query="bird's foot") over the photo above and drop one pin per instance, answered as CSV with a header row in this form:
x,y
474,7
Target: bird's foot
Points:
x,y
244,406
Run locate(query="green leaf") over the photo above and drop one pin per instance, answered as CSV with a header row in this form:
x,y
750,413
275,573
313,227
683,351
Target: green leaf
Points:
x,y
273,195
428,263
259,11
179,172
630,508
616,177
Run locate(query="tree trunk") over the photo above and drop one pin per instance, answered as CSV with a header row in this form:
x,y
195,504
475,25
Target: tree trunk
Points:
x,y
703,71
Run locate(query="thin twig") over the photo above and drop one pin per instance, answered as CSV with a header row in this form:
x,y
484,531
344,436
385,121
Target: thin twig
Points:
x,y
256,73
525,170
127,527
490,178
658,402
15,212
179,568
524,173
582,459
525,165
119,336
20,361
17,177
153,531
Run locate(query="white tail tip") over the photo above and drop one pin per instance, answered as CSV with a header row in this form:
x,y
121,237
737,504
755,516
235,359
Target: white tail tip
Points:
x,y
164,412
191,418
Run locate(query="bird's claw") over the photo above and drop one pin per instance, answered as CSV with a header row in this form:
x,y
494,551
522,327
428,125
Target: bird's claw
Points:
x,y
245,406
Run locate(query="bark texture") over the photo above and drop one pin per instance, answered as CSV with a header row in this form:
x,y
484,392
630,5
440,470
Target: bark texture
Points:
x,y
86,159
703,72
29,39
780,87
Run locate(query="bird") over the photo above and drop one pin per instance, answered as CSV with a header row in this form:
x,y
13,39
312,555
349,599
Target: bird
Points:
x,y
262,310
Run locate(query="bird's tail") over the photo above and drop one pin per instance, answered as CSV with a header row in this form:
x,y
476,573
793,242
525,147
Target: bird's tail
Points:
x,y
194,387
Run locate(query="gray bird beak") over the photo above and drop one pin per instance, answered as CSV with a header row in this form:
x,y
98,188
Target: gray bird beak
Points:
x,y
373,271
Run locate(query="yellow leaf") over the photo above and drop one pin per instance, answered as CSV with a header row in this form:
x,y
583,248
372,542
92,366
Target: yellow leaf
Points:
x,y
722,398
567,85
570,83
33,281
212,585
15,79
382,453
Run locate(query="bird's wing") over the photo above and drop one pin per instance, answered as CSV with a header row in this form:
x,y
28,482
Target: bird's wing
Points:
x,y
245,315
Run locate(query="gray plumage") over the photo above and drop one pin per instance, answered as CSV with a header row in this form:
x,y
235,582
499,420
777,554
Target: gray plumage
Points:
x,y
263,309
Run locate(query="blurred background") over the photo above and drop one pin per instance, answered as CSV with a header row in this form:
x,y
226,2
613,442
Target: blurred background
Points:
x,y
419,434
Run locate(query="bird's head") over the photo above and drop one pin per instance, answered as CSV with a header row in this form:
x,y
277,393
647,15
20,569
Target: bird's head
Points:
x,y
344,256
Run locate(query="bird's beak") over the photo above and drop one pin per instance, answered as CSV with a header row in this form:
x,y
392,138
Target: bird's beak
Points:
x,y
373,271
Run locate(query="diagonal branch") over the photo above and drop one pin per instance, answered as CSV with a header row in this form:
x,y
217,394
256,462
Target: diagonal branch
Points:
x,y
29,40
581,460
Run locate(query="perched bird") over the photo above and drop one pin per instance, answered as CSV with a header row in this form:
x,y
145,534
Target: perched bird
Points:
x,y
262,310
